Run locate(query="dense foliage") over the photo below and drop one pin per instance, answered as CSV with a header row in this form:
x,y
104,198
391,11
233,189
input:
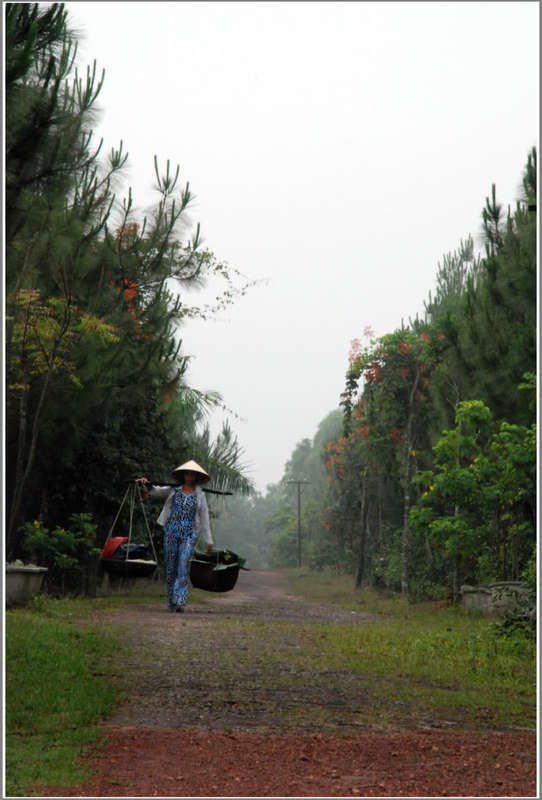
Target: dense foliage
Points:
x,y
422,480
97,388
431,481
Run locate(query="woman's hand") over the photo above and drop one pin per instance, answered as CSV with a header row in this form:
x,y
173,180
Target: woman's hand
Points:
x,y
144,481
209,549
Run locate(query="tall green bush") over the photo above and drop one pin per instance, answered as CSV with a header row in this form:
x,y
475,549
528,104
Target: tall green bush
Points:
x,y
70,555
477,510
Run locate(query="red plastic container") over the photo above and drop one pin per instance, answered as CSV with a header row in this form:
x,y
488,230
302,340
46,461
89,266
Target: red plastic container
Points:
x,y
113,545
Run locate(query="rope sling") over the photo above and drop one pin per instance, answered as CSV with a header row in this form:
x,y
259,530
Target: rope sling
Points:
x,y
132,493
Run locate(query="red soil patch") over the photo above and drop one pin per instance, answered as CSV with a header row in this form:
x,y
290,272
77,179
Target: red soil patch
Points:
x,y
217,720
150,762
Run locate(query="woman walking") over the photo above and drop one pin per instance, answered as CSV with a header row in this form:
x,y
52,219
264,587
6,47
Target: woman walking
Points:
x,y
184,515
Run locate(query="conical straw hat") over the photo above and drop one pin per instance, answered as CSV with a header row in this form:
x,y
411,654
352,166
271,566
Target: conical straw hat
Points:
x,y
192,466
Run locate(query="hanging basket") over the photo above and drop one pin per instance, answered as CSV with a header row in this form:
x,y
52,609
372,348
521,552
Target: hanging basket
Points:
x,y
217,572
120,555
129,559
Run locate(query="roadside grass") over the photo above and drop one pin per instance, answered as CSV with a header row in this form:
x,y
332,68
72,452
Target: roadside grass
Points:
x,y
423,659
59,683
337,589
70,609
435,654
409,663
62,677
447,663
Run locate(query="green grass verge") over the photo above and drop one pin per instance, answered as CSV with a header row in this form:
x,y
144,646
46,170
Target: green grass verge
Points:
x,y
60,681
437,656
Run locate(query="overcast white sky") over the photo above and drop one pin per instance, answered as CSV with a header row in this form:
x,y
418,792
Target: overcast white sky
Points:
x,y
336,149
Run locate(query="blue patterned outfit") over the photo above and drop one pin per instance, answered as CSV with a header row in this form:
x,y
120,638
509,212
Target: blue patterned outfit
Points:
x,y
179,539
182,516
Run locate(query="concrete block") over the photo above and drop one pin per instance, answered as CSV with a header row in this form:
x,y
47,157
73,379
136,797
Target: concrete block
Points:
x,y
22,583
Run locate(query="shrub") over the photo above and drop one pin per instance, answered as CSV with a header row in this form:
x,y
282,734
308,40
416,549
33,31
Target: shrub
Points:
x,y
69,555
520,621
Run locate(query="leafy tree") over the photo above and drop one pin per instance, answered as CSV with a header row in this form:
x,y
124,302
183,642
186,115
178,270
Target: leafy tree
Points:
x,y
48,142
394,405
479,501
455,273
56,205
492,329
224,458
403,389
69,555
97,387
276,520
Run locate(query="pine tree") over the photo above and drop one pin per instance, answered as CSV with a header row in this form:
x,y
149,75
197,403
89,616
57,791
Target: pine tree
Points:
x,y
491,323
97,381
56,203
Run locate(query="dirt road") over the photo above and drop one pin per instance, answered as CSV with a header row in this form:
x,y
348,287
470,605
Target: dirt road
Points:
x,y
222,702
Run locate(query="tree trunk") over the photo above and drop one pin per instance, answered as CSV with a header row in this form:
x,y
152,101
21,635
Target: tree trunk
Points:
x,y
455,575
405,539
428,550
363,534
23,473
19,470
91,575
379,537
25,461
455,581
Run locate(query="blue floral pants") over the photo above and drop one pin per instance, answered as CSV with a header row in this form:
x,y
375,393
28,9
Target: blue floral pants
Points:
x,y
177,554
179,540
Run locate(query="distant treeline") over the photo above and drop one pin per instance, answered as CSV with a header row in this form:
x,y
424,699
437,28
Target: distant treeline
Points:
x,y
424,479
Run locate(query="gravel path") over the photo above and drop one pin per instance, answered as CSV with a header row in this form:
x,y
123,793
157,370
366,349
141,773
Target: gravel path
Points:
x,y
223,703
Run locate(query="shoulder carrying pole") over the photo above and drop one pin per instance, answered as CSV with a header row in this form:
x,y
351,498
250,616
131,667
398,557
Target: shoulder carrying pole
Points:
x,y
175,485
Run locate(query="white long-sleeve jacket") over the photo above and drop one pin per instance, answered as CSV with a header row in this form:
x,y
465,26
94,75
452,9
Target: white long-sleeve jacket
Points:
x,y
202,512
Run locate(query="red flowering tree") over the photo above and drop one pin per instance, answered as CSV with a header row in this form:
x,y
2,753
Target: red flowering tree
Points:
x,y
388,409
342,510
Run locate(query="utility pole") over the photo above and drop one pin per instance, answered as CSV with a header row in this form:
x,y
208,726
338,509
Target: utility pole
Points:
x,y
298,484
